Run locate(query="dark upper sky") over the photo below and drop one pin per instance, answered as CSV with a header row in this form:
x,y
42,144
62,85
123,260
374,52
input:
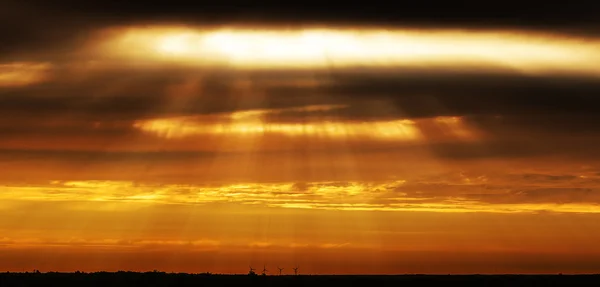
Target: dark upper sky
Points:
x,y
459,12
478,13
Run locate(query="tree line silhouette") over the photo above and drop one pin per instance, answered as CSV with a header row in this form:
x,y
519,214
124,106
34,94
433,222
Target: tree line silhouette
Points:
x,y
264,271
158,278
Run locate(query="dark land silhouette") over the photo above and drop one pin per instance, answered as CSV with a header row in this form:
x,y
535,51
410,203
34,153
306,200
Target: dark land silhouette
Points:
x,y
115,279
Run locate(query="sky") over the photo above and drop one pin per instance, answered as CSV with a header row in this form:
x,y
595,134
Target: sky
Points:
x,y
345,140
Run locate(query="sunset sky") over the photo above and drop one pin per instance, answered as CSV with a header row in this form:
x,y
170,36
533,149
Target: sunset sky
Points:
x,y
201,139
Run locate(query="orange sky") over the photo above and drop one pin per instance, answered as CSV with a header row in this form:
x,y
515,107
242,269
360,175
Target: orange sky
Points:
x,y
339,150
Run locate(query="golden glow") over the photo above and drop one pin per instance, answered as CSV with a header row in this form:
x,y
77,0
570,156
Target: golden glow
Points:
x,y
189,126
455,127
22,74
194,179
253,122
313,195
258,113
314,48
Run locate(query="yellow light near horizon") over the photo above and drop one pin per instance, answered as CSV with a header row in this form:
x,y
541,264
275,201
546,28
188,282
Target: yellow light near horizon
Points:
x,y
351,195
319,48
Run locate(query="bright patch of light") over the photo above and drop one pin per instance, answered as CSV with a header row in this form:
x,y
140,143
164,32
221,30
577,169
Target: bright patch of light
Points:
x,y
22,74
314,48
186,126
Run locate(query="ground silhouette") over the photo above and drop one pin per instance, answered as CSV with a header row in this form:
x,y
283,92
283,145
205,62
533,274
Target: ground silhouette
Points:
x,y
116,279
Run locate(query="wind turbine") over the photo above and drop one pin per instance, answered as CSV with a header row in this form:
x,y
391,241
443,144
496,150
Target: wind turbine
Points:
x,y
251,271
264,272
295,270
280,269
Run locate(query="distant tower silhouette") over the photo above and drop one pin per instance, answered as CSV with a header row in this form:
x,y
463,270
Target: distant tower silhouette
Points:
x,y
296,270
251,271
280,269
264,272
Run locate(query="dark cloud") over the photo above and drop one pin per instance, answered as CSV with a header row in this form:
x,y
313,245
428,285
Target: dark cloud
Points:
x,y
499,148
424,94
31,30
141,93
518,116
